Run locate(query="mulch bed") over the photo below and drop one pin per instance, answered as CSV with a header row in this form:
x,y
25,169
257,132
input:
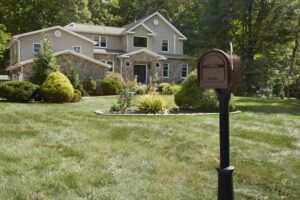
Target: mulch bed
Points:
x,y
171,112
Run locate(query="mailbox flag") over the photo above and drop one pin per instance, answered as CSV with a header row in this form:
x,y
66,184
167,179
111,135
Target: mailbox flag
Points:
x,y
231,52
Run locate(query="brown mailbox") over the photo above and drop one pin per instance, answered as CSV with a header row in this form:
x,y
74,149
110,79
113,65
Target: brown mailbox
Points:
x,y
217,69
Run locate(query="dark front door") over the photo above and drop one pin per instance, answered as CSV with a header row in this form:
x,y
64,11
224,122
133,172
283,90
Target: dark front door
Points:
x,y
140,72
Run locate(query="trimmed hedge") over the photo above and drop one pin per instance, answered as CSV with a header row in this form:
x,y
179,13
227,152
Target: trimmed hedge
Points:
x,y
57,88
112,84
167,88
191,97
18,91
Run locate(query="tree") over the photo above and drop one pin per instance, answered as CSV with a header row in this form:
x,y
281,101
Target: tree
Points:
x,y
45,62
4,37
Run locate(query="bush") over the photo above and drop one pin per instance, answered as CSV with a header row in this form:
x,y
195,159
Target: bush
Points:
x,y
151,104
57,88
112,84
90,86
191,97
115,107
141,89
77,96
166,88
18,91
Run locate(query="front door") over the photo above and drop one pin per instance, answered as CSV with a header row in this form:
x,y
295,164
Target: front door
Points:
x,y
140,72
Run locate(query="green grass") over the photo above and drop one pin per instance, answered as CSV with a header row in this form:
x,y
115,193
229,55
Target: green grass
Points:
x,y
65,151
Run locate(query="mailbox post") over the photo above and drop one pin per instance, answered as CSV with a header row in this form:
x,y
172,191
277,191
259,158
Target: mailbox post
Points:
x,y
221,71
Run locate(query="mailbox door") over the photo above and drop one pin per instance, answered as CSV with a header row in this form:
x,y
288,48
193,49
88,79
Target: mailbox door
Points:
x,y
212,70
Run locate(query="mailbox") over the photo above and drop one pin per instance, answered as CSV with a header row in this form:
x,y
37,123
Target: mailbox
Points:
x,y
217,69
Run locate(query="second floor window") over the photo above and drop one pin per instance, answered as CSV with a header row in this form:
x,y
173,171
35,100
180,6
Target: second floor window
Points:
x,y
36,47
166,70
165,45
100,41
140,42
77,49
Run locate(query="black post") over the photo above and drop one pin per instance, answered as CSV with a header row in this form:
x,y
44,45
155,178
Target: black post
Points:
x,y
225,170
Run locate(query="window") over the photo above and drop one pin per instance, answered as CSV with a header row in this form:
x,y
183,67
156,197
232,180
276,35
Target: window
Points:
x,y
140,42
166,70
184,70
100,41
77,49
110,63
36,47
165,45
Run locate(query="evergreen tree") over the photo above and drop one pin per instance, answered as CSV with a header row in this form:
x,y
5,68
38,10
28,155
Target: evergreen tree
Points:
x,y
45,62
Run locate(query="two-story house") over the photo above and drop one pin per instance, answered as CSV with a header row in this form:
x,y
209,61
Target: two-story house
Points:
x,y
147,49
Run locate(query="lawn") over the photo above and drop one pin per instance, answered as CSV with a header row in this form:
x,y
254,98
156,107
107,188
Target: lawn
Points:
x,y
65,151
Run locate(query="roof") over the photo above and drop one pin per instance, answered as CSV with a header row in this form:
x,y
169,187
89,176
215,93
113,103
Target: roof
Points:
x,y
15,37
144,26
108,51
89,28
127,55
61,53
176,56
141,21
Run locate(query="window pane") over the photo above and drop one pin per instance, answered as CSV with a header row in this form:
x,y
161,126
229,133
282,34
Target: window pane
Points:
x,y
166,71
96,39
77,49
140,41
103,42
184,70
36,48
165,45
110,63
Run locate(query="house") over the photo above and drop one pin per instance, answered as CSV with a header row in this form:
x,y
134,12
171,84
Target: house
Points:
x,y
147,49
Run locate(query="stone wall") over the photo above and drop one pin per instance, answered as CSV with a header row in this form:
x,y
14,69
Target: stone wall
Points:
x,y
85,68
101,57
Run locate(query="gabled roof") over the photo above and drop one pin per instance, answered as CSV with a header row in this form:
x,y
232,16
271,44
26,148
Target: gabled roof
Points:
x,y
140,21
61,53
144,26
15,37
96,29
127,55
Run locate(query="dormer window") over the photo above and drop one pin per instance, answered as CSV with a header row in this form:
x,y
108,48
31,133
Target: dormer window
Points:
x,y
140,41
101,41
77,49
165,45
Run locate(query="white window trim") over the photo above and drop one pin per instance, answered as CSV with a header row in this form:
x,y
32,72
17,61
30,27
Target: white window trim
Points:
x,y
168,70
33,47
140,37
100,36
113,65
187,70
162,46
79,48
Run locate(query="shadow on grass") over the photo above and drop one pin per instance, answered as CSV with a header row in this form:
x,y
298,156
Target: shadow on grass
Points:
x,y
268,106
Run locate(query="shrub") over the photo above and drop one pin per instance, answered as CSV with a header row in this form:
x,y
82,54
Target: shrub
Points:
x,y
57,88
45,62
191,97
18,91
166,88
112,84
82,90
90,86
151,104
141,89
73,77
115,107
77,96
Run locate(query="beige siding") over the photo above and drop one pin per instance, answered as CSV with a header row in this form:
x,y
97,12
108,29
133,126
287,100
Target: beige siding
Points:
x,y
113,42
14,53
164,32
66,41
140,31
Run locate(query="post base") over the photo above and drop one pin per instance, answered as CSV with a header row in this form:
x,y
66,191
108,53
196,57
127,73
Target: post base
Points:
x,y
225,183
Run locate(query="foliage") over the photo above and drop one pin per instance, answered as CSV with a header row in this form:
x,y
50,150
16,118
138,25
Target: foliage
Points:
x,y
191,97
45,62
112,84
115,107
141,89
125,99
167,88
4,37
73,77
77,96
151,103
91,86
17,91
57,88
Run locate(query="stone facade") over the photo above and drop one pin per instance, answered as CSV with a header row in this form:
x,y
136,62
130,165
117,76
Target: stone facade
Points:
x,y
85,68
